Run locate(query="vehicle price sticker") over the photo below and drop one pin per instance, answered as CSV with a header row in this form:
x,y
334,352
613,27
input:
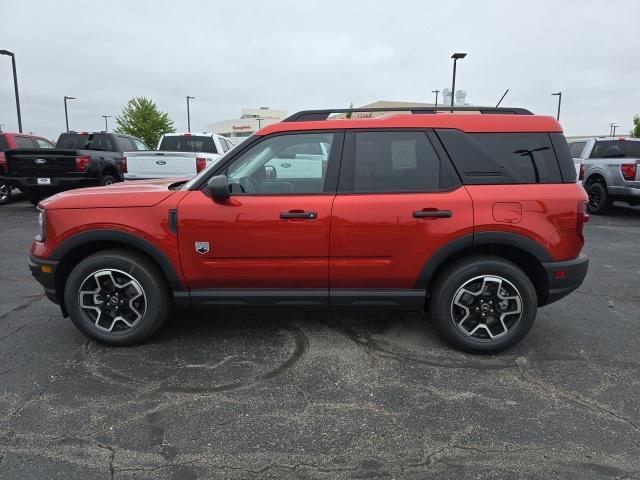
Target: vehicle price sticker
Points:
x,y
44,181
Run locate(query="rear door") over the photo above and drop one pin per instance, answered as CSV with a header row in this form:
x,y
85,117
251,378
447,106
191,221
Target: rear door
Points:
x,y
398,202
270,241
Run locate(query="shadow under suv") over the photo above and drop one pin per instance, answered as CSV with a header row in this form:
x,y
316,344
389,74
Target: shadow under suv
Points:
x,y
475,218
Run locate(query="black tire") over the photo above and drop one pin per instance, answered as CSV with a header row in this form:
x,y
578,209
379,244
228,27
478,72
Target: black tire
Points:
x,y
153,305
465,272
599,201
34,196
5,192
107,180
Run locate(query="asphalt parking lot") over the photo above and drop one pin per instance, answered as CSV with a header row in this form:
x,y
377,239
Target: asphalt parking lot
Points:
x,y
291,394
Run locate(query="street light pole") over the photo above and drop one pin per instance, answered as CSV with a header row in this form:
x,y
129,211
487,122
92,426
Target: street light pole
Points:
x,y
189,114
15,85
559,95
66,113
106,125
613,130
259,122
436,92
456,57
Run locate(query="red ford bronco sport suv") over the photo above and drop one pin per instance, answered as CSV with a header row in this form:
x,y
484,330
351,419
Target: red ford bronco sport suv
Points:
x,y
476,218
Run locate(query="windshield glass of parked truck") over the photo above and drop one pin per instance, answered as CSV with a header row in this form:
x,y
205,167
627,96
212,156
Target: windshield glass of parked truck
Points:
x,y
616,149
190,143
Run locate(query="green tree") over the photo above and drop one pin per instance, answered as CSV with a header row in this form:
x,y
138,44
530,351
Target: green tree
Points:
x,y
350,113
141,118
636,126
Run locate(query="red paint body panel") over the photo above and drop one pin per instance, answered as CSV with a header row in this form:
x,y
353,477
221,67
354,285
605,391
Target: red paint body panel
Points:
x,y
10,139
376,242
465,122
549,214
250,246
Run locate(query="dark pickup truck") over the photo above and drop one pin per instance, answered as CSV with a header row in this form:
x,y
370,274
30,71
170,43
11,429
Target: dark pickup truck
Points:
x,y
79,160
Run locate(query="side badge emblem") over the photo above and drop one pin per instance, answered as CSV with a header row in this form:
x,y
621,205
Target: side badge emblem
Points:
x,y
202,247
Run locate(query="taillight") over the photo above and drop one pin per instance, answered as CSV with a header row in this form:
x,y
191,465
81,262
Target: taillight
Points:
x,y
628,171
583,217
123,165
82,163
200,164
581,174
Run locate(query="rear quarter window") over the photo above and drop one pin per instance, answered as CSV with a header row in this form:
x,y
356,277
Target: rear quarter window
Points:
x,y
502,158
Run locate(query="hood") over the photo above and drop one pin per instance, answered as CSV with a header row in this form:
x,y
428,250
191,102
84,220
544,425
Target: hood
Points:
x,y
138,193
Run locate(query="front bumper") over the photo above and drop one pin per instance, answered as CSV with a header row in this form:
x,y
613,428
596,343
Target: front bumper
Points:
x,y
44,272
564,277
57,183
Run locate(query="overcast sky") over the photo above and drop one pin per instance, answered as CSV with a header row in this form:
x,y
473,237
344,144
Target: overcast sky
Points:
x,y
317,54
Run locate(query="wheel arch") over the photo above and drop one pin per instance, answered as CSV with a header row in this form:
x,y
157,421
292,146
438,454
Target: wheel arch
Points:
x,y
527,254
79,246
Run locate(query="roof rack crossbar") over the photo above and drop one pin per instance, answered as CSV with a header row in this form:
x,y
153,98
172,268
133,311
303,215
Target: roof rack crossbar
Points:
x,y
313,115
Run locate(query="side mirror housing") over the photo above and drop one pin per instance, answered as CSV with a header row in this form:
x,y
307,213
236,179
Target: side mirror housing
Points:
x,y
218,187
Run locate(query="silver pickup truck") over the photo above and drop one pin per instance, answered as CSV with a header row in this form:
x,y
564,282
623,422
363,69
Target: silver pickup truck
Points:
x,y
609,171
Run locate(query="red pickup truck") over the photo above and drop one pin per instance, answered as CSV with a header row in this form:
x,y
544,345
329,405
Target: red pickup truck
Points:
x,y
16,140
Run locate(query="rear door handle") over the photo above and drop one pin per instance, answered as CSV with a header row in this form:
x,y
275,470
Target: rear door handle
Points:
x,y
432,213
298,214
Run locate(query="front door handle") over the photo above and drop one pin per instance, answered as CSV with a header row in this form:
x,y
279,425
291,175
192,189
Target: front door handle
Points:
x,y
298,214
432,213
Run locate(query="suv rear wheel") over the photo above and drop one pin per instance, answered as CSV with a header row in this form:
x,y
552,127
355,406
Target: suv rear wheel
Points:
x,y
483,304
117,297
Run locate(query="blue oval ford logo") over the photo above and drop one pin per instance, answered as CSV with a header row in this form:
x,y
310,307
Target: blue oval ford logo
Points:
x,y
40,161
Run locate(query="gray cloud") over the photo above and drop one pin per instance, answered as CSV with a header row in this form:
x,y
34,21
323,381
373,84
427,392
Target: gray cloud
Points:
x,y
317,54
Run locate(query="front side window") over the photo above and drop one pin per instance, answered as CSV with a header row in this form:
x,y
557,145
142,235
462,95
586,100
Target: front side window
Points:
x,y
294,164
140,145
42,143
24,142
393,162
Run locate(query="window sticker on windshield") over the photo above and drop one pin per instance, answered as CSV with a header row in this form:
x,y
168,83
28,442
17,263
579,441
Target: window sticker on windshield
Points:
x,y
403,155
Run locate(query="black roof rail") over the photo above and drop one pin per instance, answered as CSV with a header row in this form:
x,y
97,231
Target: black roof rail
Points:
x,y
311,115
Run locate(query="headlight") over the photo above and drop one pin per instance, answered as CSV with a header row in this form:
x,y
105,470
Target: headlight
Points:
x,y
42,225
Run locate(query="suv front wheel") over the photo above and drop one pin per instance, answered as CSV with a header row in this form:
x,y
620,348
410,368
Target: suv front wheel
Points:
x,y
483,304
117,297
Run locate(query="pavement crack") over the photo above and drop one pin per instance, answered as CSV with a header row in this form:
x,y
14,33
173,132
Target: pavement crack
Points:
x,y
23,306
112,455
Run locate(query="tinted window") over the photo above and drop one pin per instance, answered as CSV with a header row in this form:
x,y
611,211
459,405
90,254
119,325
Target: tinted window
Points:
x,y
495,158
24,142
190,143
42,143
140,145
100,142
3,143
616,149
73,141
125,144
273,166
393,162
576,149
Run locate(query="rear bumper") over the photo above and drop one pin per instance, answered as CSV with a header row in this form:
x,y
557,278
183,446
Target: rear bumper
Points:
x,y
625,191
44,277
57,183
562,284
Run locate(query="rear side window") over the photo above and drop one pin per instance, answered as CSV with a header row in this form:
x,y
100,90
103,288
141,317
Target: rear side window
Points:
x,y
3,143
73,141
125,144
188,143
576,149
42,143
392,162
101,142
501,158
616,149
24,142
223,144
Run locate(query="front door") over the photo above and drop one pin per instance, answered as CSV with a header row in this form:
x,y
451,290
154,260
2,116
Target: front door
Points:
x,y
269,243
397,203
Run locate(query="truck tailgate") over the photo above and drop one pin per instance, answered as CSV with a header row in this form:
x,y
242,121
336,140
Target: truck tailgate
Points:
x,y
160,164
40,162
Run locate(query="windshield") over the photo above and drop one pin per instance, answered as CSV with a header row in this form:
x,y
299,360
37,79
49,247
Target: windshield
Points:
x,y
188,143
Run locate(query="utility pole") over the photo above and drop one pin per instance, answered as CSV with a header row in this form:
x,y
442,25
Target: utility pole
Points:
x,y
66,113
106,125
456,57
436,92
15,85
559,95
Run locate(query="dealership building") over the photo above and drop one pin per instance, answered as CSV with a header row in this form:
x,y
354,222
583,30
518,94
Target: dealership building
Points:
x,y
251,120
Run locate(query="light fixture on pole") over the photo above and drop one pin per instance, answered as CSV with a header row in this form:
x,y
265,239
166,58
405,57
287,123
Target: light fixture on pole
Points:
x,y
456,57
66,113
436,92
15,85
559,95
189,114
106,125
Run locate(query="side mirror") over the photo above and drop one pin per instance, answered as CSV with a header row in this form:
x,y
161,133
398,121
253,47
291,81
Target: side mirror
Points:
x,y
218,187
270,172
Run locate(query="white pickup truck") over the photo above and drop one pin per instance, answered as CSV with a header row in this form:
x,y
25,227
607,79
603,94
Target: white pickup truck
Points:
x,y
178,155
